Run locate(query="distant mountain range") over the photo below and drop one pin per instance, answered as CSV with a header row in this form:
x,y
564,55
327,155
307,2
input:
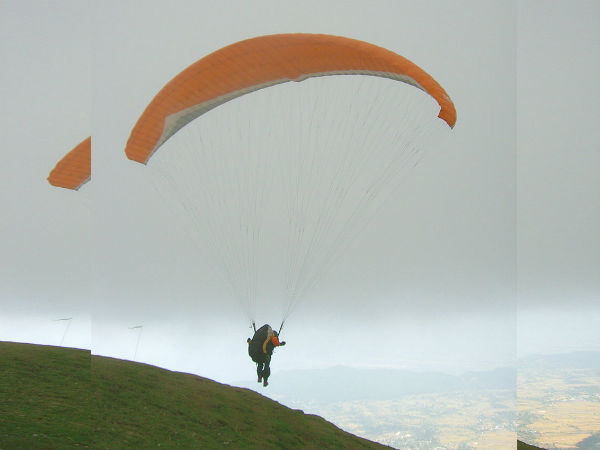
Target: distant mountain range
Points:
x,y
574,360
343,383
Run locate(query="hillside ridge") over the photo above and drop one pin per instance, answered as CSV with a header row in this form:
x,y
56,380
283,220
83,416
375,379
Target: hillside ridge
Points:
x,y
62,398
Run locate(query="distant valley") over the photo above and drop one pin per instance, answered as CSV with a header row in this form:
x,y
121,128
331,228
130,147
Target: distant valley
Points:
x,y
557,406
408,410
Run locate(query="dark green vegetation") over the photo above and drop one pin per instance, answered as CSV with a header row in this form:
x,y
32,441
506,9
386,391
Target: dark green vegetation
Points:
x,y
524,446
59,398
44,397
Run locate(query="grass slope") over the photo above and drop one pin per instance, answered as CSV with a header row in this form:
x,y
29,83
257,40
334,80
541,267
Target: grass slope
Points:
x,y
524,446
58,398
44,397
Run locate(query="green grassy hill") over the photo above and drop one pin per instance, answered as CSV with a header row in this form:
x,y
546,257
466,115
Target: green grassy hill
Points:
x,y
59,398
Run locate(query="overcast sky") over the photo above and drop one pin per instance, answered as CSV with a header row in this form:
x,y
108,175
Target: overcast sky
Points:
x,y
558,176
505,207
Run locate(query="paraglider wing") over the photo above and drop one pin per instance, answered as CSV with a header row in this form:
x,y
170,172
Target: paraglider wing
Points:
x,y
75,168
256,63
291,174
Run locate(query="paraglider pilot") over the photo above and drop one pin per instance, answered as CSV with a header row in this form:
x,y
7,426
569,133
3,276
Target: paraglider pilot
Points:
x,y
260,349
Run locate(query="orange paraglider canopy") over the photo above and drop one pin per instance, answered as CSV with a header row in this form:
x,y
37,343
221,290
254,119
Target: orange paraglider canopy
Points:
x,y
75,168
260,62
